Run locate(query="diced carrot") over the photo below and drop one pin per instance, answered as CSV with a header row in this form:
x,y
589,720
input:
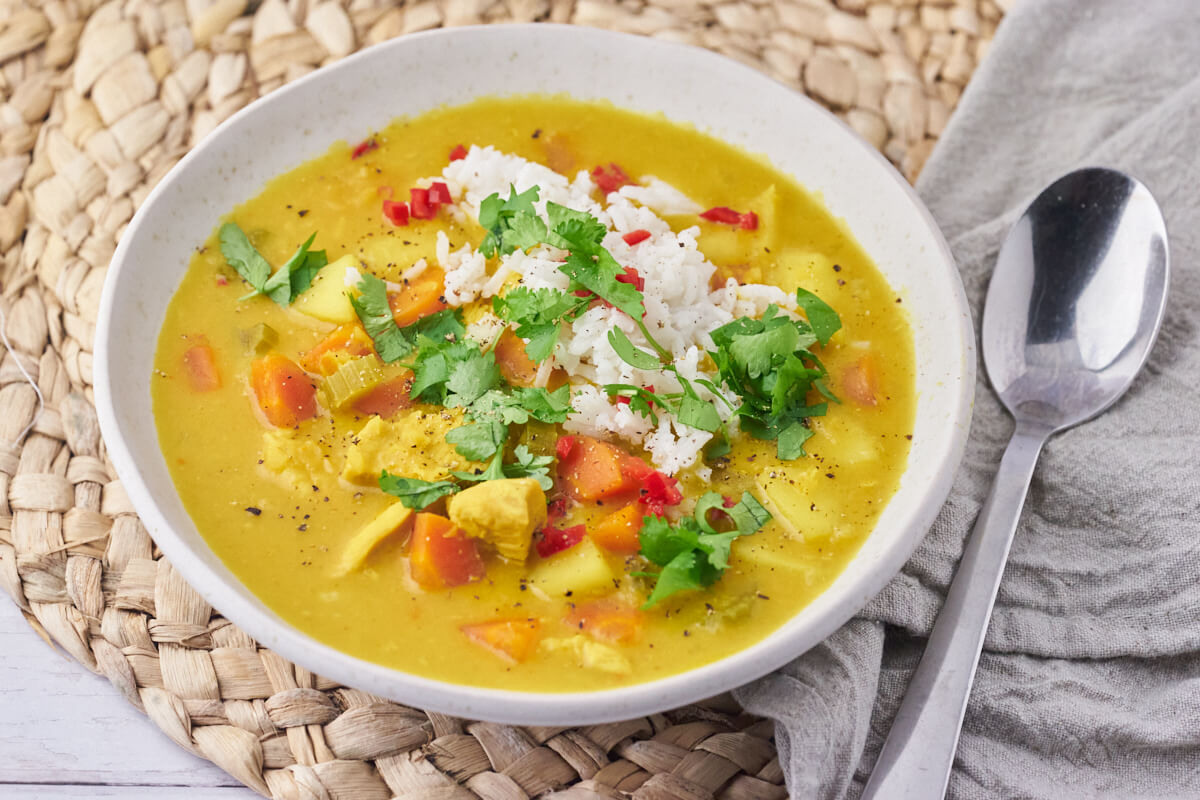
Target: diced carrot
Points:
x,y
514,364
200,362
618,532
441,555
387,398
284,392
350,339
420,297
859,381
609,620
511,639
592,470
636,468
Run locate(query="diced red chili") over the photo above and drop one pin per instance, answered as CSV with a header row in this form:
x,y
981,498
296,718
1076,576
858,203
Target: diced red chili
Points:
x,y
459,152
634,237
722,214
439,194
222,280
727,501
622,399
659,491
419,204
631,276
610,178
555,540
748,221
556,509
564,447
396,213
364,147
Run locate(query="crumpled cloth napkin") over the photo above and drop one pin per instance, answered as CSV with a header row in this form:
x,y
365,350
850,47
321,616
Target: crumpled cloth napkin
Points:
x,y
1089,685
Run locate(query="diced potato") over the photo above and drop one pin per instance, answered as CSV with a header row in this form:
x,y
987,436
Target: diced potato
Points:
x,y
582,570
589,653
412,443
326,297
849,440
728,244
390,521
504,513
798,506
773,556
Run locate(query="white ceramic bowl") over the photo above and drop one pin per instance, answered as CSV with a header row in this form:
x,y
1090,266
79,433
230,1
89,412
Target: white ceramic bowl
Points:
x,y
419,72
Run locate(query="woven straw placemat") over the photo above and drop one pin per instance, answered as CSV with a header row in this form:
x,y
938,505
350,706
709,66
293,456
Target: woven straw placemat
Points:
x,y
99,101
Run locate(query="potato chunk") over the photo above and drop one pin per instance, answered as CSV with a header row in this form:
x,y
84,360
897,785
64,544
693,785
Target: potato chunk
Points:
x,y
504,513
389,521
326,299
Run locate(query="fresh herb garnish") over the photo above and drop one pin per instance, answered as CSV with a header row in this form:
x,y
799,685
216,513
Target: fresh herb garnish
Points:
x,y
414,492
527,465
286,283
768,364
538,316
508,222
693,554
373,311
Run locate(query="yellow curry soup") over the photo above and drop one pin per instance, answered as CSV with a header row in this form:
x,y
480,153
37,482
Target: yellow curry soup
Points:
x,y
293,504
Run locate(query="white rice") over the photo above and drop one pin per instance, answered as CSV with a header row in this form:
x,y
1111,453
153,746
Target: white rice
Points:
x,y
680,308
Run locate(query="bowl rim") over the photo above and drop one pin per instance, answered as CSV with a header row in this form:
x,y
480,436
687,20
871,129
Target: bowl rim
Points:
x,y
506,705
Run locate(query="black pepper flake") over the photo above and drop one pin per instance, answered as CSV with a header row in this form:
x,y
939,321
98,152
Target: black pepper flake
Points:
x,y
908,436
828,474
303,212
254,510
302,527
537,133
837,267
762,596
687,633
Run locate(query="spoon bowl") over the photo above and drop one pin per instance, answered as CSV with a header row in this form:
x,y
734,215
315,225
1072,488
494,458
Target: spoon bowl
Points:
x,y
1074,306
1077,298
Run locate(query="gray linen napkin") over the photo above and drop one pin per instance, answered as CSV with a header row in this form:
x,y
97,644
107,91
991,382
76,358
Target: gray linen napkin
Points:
x,y
1089,686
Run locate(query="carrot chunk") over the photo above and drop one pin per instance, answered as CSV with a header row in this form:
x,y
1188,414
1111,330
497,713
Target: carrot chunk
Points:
x,y
859,381
420,297
514,364
284,392
618,532
441,555
609,620
350,339
511,639
592,469
200,363
387,398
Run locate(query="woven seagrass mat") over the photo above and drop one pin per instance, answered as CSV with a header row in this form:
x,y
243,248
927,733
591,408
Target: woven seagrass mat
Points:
x,y
97,102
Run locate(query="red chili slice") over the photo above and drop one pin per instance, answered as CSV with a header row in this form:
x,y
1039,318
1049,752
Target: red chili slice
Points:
x,y
564,447
363,147
634,237
722,214
555,540
421,208
748,221
659,491
632,277
222,280
610,178
439,194
635,468
459,152
556,509
622,400
396,213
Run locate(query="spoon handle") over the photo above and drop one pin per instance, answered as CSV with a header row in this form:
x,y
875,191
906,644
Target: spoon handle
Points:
x,y
916,758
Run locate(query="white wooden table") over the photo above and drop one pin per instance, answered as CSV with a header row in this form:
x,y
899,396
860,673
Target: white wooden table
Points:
x,y
66,734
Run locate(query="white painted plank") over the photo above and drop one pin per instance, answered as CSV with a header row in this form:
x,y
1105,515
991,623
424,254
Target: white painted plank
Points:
x,y
43,791
61,725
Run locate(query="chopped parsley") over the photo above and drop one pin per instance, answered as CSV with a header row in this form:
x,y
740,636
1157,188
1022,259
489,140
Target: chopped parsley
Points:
x,y
284,284
693,553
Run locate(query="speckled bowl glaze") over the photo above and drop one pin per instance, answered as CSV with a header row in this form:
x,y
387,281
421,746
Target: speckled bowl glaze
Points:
x,y
418,72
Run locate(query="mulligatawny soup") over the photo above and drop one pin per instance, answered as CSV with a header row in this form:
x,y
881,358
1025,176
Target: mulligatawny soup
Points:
x,y
535,394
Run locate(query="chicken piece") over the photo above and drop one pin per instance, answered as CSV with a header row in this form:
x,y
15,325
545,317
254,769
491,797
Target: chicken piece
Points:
x,y
503,513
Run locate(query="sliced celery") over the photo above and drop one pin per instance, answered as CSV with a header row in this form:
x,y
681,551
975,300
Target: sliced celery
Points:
x,y
352,380
260,339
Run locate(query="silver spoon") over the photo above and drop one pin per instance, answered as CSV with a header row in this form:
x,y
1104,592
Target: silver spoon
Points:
x,y
1072,311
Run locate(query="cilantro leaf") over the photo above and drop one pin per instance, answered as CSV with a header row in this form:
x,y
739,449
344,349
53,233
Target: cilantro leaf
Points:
x,y
497,216
286,283
539,315
824,320
631,355
470,378
414,492
528,465
597,272
790,443
477,441
545,406
243,257
494,472
693,554
575,230
698,414
373,311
